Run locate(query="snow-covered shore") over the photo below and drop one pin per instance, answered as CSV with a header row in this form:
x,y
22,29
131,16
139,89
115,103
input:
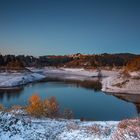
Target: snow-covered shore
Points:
x,y
23,127
15,126
120,83
112,80
8,80
73,73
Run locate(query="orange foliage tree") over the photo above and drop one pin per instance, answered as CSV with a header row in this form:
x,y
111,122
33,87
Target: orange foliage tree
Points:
x,y
133,65
37,107
51,107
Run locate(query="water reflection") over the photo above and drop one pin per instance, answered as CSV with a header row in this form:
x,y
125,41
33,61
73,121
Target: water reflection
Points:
x,y
21,95
138,108
87,84
16,92
10,93
133,98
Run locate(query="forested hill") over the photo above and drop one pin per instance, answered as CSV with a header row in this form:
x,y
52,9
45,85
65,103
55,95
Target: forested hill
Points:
x,y
75,60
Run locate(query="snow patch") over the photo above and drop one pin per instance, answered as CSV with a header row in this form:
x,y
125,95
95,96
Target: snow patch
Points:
x,y
13,127
17,79
122,84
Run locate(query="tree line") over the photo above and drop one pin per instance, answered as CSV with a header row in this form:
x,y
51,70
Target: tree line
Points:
x,y
77,60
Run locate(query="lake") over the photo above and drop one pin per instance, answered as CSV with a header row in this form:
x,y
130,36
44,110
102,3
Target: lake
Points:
x,y
84,99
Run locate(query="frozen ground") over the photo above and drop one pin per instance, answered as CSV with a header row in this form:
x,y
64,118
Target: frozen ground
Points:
x,y
23,127
16,79
73,73
122,84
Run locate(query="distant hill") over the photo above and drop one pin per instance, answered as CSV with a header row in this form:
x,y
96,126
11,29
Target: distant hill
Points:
x,y
74,60
101,60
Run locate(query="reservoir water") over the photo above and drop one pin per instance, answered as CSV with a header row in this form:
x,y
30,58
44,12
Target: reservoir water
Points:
x,y
84,100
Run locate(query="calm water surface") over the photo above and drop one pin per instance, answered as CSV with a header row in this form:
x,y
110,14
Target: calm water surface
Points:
x,y
83,100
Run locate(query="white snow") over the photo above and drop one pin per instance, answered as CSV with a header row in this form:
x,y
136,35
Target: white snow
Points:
x,y
16,79
23,127
13,127
73,73
122,84
135,74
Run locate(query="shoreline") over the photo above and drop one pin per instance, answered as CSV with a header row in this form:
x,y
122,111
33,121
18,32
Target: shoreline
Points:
x,y
16,80
112,81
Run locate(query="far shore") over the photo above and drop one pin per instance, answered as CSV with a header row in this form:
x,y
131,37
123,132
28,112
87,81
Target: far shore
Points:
x,y
112,80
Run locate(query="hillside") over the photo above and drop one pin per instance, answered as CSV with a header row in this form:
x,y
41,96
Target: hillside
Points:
x,y
75,61
134,64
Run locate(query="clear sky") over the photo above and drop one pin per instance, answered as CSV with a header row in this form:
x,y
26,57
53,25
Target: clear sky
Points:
x,y
42,27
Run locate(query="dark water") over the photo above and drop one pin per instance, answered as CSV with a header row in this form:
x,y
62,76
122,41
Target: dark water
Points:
x,y
84,99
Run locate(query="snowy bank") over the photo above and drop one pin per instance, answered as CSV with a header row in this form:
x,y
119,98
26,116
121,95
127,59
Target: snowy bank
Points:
x,y
113,81
17,79
122,84
13,127
22,127
73,73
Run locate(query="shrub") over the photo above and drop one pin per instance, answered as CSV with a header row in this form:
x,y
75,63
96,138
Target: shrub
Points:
x,y
67,114
38,108
129,128
15,109
72,126
94,129
35,107
51,107
1,107
17,64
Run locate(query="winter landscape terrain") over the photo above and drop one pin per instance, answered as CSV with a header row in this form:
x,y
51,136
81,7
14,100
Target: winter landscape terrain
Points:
x,y
112,80
18,125
69,69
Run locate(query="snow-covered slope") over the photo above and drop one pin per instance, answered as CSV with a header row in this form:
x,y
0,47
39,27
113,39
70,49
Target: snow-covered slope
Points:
x,y
122,84
13,127
73,73
78,71
16,79
22,127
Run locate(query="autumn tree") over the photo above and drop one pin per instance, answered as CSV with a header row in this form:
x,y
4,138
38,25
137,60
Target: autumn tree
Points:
x,y
134,64
51,107
47,108
35,107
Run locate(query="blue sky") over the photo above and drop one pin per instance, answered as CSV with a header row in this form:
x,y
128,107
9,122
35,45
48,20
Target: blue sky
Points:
x,y
42,27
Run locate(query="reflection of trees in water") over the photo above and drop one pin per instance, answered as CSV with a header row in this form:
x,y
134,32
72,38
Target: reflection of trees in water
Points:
x,y
133,98
138,108
9,94
88,84
94,85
